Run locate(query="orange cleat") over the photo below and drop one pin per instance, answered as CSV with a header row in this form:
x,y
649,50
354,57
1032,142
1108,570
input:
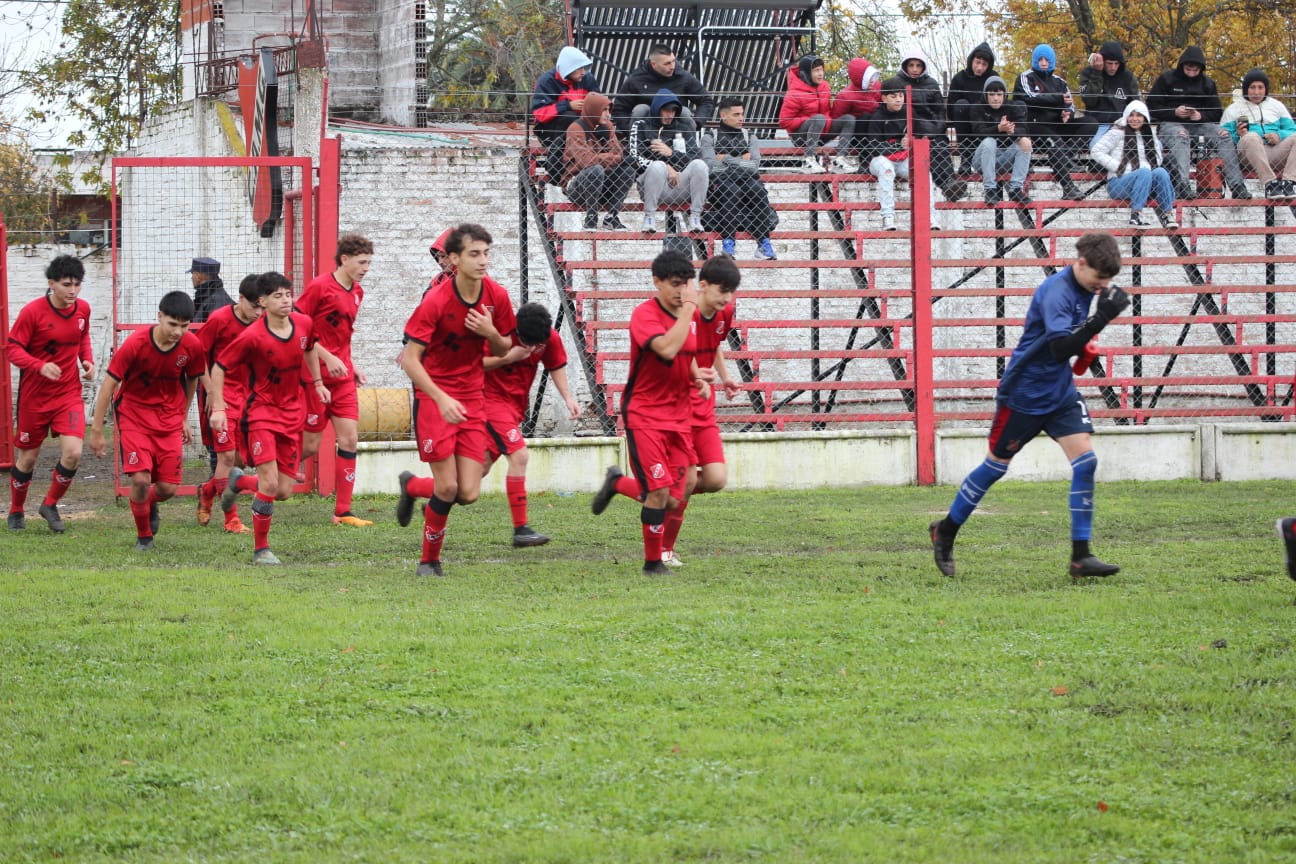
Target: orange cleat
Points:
x,y
236,526
352,520
204,506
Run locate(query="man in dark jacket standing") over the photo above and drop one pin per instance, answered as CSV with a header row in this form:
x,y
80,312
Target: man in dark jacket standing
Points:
x,y
559,95
660,72
1185,104
209,290
1106,87
929,121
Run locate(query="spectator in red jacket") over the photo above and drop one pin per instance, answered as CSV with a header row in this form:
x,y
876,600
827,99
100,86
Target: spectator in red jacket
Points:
x,y
807,107
862,96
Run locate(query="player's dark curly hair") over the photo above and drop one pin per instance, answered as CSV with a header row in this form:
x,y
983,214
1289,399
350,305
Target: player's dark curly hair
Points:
x,y
178,305
534,324
352,245
65,267
454,244
672,265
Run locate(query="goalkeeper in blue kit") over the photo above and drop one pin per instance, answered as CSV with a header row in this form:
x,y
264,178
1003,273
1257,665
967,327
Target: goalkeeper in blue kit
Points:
x,y
1038,394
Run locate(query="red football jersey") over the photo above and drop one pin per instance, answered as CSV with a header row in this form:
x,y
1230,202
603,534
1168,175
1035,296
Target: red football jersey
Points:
x,y
454,353
711,333
273,368
43,334
151,382
508,387
657,392
219,330
333,310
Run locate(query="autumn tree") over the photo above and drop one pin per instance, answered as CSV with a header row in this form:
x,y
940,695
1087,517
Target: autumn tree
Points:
x,y
855,28
26,194
1236,35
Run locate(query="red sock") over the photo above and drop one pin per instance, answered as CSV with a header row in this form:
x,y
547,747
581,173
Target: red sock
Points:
x,y
674,521
19,483
208,489
247,483
343,481
628,486
651,521
60,480
517,499
140,510
262,513
421,487
434,527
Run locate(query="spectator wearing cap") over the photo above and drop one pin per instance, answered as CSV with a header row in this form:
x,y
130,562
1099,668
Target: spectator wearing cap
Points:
x,y
209,290
559,96
1185,104
1265,135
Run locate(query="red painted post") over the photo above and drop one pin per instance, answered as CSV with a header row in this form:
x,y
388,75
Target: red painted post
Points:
x,y
921,276
6,389
327,206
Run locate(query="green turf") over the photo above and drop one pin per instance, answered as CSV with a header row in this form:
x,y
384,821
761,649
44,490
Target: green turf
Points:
x,y
807,688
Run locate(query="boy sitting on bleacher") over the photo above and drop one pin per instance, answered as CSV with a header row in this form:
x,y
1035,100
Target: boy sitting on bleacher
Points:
x,y
670,170
737,197
1005,140
887,143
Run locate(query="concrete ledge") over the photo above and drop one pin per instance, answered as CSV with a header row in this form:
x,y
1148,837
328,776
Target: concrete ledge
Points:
x,y
771,460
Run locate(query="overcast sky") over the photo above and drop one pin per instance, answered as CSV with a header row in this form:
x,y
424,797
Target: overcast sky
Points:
x,y
29,29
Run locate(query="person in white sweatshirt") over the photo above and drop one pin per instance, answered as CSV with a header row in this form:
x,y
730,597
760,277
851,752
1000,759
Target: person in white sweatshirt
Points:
x,y
1132,156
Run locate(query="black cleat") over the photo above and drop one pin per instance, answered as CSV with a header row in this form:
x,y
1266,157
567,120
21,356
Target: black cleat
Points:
x,y
155,519
603,497
1090,565
17,521
49,512
656,568
942,548
1287,531
429,568
405,505
144,544
526,536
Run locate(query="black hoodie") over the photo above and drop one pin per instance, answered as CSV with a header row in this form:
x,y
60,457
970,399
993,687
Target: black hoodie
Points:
x,y
1173,88
968,86
641,85
1105,96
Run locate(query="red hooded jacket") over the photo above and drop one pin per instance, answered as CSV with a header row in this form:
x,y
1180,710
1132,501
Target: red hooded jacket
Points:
x,y
803,100
862,96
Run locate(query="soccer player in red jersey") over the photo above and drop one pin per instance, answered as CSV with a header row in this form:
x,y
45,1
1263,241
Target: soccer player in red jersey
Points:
x,y
508,384
656,403
333,301
717,281
153,377
223,327
270,352
49,342
443,359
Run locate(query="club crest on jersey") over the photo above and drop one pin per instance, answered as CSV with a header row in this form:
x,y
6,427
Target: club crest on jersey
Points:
x,y
657,471
222,437
80,323
24,437
302,343
428,444
312,419
514,435
182,360
256,448
132,458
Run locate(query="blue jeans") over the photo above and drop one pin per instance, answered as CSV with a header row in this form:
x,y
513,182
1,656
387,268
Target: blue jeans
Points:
x,y
1137,184
991,158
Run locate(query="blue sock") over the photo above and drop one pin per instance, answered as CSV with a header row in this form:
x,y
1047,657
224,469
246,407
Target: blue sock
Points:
x,y
974,487
1082,495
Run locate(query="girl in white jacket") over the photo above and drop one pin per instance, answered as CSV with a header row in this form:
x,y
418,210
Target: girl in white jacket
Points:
x,y
1131,154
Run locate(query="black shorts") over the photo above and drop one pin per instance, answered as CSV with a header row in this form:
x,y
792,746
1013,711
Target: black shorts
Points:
x,y
1012,430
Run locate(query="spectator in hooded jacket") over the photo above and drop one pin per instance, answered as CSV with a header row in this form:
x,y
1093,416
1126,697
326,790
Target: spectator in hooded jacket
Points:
x,y
862,96
888,144
1263,129
1050,109
930,121
596,175
559,95
1106,87
966,91
661,72
668,161
1005,140
737,199
1131,153
1185,104
806,115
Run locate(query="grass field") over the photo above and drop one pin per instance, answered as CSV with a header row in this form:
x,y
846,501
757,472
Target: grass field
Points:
x,y
807,688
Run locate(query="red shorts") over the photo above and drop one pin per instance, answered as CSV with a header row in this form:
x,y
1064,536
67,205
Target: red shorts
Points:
x,y
159,453
659,458
343,402
439,439
707,446
270,445
35,422
502,438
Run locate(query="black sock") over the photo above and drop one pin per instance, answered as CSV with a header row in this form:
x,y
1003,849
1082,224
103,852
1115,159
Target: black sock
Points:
x,y
1079,549
948,528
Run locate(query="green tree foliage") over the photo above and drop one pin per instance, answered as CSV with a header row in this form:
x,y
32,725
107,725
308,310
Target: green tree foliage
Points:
x,y
26,195
1236,35
117,63
855,28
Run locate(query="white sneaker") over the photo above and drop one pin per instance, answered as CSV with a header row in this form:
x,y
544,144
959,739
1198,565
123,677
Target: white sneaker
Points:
x,y
812,165
650,223
845,165
695,223
888,223
670,559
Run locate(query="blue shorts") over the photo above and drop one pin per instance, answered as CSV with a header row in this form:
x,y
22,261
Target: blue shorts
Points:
x,y
1012,430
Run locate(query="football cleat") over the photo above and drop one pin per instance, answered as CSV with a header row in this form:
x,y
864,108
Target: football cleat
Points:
x,y
349,518
230,496
17,521
235,526
1287,531
605,493
942,549
525,536
405,504
265,556
1091,566
205,503
656,568
49,512
670,559
429,568
144,544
